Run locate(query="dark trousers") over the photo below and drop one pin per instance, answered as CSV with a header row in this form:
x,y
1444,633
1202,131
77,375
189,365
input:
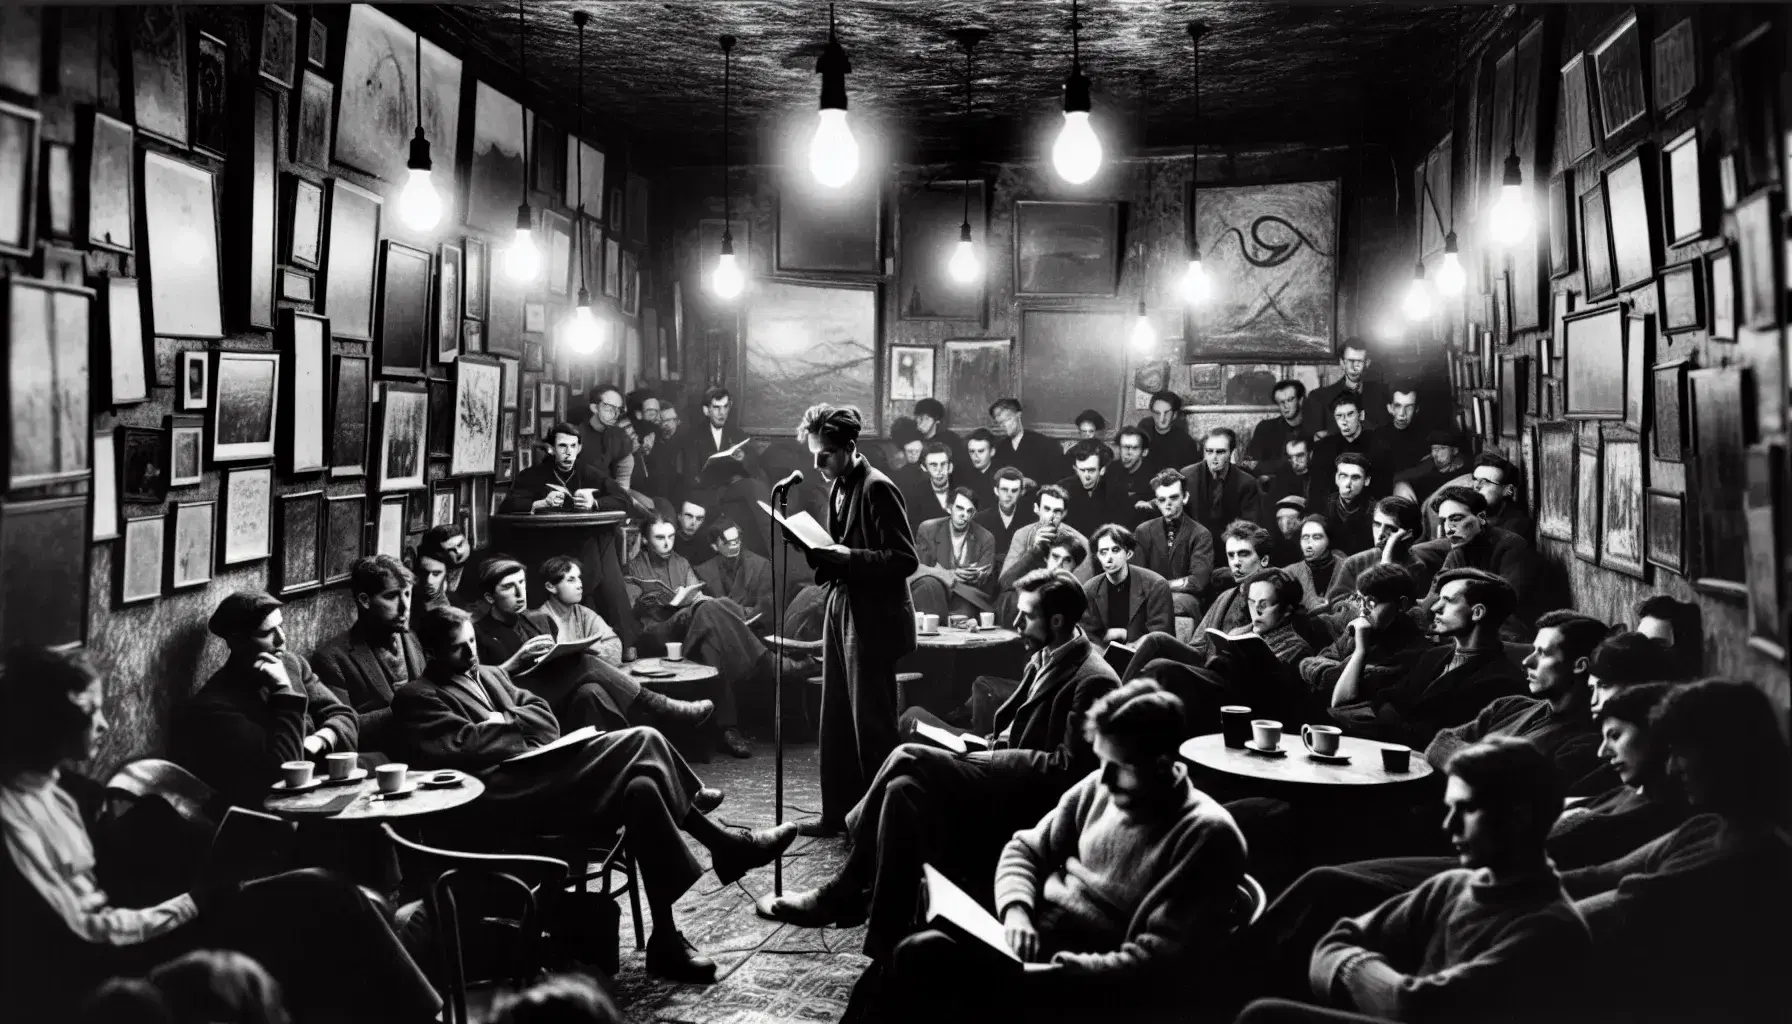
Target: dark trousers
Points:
x,y
653,816
576,694
601,553
715,633
858,711
935,977
1284,1011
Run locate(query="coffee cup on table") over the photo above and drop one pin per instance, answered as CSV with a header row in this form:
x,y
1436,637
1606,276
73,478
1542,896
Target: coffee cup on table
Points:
x,y
1321,739
1396,758
675,652
920,622
295,773
987,620
1267,732
340,766
392,777
1235,724
930,623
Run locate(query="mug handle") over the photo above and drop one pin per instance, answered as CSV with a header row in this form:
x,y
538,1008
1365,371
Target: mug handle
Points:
x,y
1306,733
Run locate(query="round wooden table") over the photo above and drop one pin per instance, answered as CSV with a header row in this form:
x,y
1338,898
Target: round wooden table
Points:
x,y
684,671
950,638
370,806
1295,767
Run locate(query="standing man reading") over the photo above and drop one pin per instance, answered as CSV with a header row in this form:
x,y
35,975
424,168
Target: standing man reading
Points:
x,y
870,619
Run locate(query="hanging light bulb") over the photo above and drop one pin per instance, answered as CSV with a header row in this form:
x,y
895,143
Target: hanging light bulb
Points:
x,y
583,332
1451,278
1077,153
833,152
1144,336
727,280
964,265
1197,286
522,261
1418,295
1510,220
419,205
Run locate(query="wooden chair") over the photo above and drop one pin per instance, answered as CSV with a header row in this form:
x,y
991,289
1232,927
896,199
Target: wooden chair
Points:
x,y
1252,901
611,856
502,892
180,789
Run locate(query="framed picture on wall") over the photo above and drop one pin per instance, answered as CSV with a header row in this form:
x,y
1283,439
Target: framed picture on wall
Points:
x,y
186,449
389,531
47,381
305,342
1595,364
1618,69
403,437
190,544
245,401
349,402
407,333
1680,296
911,373
348,295
452,266
140,559
1757,247
1556,474
127,370
796,335
1682,194
1721,264
1668,396
1596,243
1587,480
111,207
1639,353
1066,249
1665,530
1763,505
830,231
181,215
248,533
300,567
1718,436
1561,224
345,522
43,570
142,465
478,383
928,216
1624,470
105,486
1634,249
194,379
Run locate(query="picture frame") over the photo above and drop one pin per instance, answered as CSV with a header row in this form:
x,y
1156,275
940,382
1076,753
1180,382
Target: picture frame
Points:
x,y
186,450
450,262
1561,225
911,373
796,333
556,240
104,520
1622,546
110,218
1577,109
1757,249
442,507
1720,412
127,365
545,395
157,71
441,418
1721,277
1675,65
1639,353
1682,190
1729,188
416,518
304,222
352,261
279,51
389,530
190,544
478,384
513,378
207,95
1668,404
313,126
1763,509
1596,244
300,567
303,341
297,285
317,43
475,277
1618,71
245,405
1556,343
1587,502
392,79
1556,475
631,283
612,265
1596,363
180,215
534,357
928,215
584,178
1066,249
403,440
351,380
141,453
1635,251
1664,519
47,385
535,318
247,497
406,329
140,572
1514,372
1680,296
44,554
829,231
345,532
472,336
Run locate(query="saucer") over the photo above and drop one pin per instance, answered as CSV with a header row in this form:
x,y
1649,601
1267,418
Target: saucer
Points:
x,y
284,788
355,776
653,673
430,781
409,788
1251,745
672,659
927,632
1314,755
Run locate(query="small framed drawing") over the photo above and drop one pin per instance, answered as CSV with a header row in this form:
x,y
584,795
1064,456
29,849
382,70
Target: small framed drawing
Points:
x,y
186,449
349,398
451,267
195,378
535,318
545,393
297,285
246,403
190,544
389,536
1680,296
304,340
403,437
304,223
345,522
122,315
140,564
1668,396
1623,471
142,476
1586,503
441,503
911,372
248,503
1664,520
1682,198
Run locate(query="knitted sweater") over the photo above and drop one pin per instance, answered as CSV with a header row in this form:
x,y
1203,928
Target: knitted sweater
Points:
x,y
1148,896
1461,946
1611,825
578,622
1570,740
1392,654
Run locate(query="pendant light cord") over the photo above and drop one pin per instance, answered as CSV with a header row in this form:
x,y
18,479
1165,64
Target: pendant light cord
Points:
x,y
579,18
522,63
419,81
1076,24
727,83
1455,84
966,144
1195,31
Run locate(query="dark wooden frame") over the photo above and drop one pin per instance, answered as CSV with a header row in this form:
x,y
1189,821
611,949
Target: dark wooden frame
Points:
x,y
11,511
285,538
1670,188
1608,495
1653,500
1640,208
1670,441
252,451
385,367
224,509
184,423
346,470
1556,481
1692,269
331,504
384,484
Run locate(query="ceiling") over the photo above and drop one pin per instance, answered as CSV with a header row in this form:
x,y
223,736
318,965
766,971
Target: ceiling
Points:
x,y
1270,72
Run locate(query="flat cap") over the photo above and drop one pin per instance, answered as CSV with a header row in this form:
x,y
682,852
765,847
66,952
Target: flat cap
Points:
x,y
241,611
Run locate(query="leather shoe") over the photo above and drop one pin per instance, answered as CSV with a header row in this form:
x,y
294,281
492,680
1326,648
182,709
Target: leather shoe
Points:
x,y
672,956
733,743
819,829
825,907
667,711
707,799
748,850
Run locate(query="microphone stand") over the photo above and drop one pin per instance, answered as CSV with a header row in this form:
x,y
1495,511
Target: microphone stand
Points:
x,y
781,607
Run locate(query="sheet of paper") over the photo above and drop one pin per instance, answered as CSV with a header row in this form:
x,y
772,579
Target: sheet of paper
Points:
x,y
728,452
948,901
802,526
571,739
560,650
940,737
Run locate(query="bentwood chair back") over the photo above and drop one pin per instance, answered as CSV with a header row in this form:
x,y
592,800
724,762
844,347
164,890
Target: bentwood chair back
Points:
x,y
1251,902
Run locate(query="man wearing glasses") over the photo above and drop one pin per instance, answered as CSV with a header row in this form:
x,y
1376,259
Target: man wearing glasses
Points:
x,y
1379,645
1126,488
606,448
1218,492
1497,479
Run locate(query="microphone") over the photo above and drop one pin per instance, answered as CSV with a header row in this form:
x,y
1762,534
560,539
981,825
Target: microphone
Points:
x,y
795,477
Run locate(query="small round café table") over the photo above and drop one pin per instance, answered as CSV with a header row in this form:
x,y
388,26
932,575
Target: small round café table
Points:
x,y
368,805
1295,767
688,681
954,638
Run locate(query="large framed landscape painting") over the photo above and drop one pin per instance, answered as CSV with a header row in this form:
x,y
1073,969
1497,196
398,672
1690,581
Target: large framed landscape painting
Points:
x,y
807,343
378,112
1272,251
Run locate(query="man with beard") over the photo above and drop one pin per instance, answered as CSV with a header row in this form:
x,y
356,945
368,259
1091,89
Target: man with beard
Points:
x,y
955,555
1175,546
666,459
869,621
980,477
1497,479
1446,465
370,661
1395,524
1086,511
737,574
1219,493
692,543
1037,750
1376,648
1399,444
1002,517
1038,457
734,483
1452,683
563,484
1371,395
713,630
1350,438
1294,476
1126,488
930,419
1171,446
1265,455
1348,509
1474,544
1125,601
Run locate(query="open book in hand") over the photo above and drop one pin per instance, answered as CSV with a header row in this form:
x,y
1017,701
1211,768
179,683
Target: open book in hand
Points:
x,y
571,739
951,907
679,596
802,527
1244,641
930,733
728,452
1119,655
559,650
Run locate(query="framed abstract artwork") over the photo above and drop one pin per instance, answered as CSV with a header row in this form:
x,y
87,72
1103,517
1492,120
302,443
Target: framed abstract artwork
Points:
x,y
190,544
473,275
478,383
142,454
1576,109
796,336
349,271
244,406
1639,353
181,218
1718,437
1561,225
1622,545
345,532
43,571
279,45
406,331
1664,522
311,133
400,451
304,341
497,172
248,496
451,265
1675,64
47,382
350,398
140,559
210,129
300,566
1066,249
911,373
379,109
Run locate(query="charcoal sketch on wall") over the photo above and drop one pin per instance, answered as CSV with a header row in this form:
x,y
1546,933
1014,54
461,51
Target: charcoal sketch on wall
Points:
x,y
1273,253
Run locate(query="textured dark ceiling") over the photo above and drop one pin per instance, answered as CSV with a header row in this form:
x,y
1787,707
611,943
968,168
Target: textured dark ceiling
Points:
x,y
1271,72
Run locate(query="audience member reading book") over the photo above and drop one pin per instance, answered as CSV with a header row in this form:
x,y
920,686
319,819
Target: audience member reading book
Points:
x,y
1247,548
731,571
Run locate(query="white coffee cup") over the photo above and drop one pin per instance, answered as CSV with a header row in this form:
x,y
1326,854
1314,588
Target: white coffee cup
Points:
x,y
987,620
930,623
674,652
1267,732
295,773
920,622
392,776
340,766
1321,739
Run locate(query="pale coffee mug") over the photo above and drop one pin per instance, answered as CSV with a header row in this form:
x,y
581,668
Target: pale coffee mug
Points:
x,y
920,622
1321,739
391,777
930,623
987,620
295,773
674,652
1267,732
340,766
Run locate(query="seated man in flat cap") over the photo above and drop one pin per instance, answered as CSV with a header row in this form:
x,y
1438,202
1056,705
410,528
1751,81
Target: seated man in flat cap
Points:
x,y
263,708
